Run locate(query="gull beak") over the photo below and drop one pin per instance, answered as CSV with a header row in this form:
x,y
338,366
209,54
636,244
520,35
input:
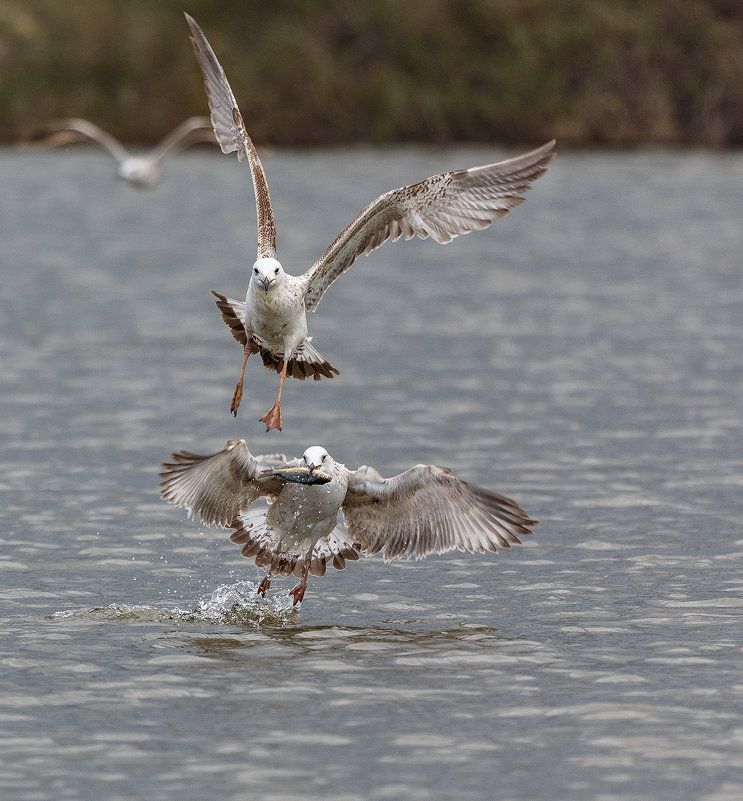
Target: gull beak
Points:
x,y
266,284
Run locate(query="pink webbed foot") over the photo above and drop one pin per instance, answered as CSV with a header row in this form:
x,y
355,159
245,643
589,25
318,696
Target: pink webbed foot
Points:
x,y
264,585
298,592
272,418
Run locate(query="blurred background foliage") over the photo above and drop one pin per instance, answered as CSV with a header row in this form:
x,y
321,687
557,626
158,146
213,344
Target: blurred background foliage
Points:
x,y
315,72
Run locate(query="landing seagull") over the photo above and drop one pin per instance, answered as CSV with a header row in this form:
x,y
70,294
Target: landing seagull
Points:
x,y
426,509
272,319
141,171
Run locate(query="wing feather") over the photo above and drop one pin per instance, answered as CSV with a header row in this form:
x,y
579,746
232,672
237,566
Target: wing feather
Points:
x,y
219,94
216,488
233,314
75,129
189,132
443,206
232,136
427,509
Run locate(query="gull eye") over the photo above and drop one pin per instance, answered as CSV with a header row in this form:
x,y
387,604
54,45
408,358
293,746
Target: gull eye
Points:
x,y
276,271
255,270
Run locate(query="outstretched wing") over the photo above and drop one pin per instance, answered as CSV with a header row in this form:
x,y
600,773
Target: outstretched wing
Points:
x,y
216,488
442,207
189,132
427,509
232,136
70,131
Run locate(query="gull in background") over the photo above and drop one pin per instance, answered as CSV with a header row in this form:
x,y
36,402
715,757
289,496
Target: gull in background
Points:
x,y
141,171
272,319
424,510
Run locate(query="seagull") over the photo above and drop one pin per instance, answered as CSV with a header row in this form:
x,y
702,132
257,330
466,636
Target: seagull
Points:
x,y
424,510
272,319
141,171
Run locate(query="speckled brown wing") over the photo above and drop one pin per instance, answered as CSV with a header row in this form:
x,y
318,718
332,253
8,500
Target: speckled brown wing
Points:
x,y
217,487
442,207
232,135
233,313
427,509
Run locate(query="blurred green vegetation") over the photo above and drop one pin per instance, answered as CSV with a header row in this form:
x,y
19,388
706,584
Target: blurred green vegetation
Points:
x,y
311,72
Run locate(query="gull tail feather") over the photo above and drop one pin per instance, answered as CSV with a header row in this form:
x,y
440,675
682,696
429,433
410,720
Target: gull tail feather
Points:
x,y
261,542
305,363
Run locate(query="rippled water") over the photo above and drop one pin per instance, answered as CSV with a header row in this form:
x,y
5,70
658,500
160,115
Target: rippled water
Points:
x,y
582,356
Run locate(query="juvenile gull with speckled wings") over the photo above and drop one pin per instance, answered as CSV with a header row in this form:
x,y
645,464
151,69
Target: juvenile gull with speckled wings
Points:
x,y
272,320
424,510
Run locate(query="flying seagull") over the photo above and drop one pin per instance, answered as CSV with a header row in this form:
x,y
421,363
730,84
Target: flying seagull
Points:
x,y
272,319
426,509
142,171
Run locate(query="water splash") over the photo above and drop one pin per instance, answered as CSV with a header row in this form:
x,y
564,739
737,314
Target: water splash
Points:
x,y
239,603
229,604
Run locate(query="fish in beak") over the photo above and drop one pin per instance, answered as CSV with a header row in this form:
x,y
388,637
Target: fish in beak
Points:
x,y
299,475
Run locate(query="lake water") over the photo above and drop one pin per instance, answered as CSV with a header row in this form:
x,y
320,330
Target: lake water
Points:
x,y
583,355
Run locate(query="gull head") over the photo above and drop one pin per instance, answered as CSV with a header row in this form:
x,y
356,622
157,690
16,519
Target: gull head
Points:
x,y
315,457
317,469
267,273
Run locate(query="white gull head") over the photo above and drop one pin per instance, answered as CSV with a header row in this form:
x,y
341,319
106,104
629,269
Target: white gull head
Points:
x,y
267,274
315,456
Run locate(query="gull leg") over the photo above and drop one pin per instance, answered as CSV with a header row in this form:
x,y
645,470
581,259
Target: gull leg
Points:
x,y
298,591
238,394
265,584
272,418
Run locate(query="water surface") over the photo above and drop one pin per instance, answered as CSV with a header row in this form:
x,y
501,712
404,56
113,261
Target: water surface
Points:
x,y
583,356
